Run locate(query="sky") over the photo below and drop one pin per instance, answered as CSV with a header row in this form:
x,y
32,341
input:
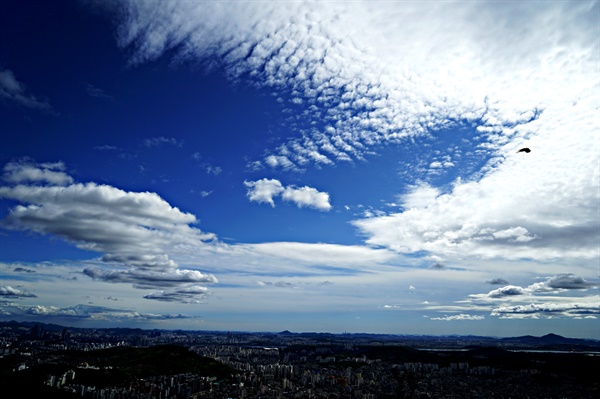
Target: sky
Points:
x,y
304,166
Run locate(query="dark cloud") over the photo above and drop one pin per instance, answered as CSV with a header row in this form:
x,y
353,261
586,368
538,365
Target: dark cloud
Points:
x,y
190,294
497,281
509,290
23,270
564,309
437,266
561,282
569,282
150,279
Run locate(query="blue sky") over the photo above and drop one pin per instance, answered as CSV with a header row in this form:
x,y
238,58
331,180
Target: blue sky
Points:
x,y
313,167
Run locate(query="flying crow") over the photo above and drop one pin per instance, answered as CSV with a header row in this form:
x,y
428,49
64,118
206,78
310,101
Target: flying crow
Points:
x,y
524,150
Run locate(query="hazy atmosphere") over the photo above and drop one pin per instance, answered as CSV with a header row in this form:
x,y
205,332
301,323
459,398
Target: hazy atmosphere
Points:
x,y
302,166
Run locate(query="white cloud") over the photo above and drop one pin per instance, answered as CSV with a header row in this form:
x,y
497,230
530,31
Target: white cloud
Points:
x,y
386,72
265,190
559,296
541,206
24,171
560,283
307,197
12,292
138,230
213,170
101,218
13,90
325,255
461,316
420,196
537,310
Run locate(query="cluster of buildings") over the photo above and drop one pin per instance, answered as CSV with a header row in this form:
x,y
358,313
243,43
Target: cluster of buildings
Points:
x,y
281,366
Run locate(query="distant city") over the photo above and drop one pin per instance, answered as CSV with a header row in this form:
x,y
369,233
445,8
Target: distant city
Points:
x,y
51,361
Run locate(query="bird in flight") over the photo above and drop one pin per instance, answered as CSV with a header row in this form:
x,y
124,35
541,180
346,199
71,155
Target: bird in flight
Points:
x,y
527,150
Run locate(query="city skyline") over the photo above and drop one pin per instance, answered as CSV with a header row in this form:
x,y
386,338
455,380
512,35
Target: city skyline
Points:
x,y
307,166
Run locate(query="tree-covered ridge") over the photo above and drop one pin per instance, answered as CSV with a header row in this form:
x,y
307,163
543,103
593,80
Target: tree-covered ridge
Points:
x,y
115,366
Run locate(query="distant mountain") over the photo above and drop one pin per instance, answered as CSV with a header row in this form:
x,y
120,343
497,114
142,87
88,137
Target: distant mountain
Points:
x,y
550,340
31,324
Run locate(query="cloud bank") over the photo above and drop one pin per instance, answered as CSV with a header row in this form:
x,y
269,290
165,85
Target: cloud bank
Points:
x,y
559,296
132,230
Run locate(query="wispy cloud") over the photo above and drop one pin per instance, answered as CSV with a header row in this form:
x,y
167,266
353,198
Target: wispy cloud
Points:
x,y
84,312
25,171
213,170
162,140
459,317
14,91
106,147
190,294
23,270
97,92
379,80
279,284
